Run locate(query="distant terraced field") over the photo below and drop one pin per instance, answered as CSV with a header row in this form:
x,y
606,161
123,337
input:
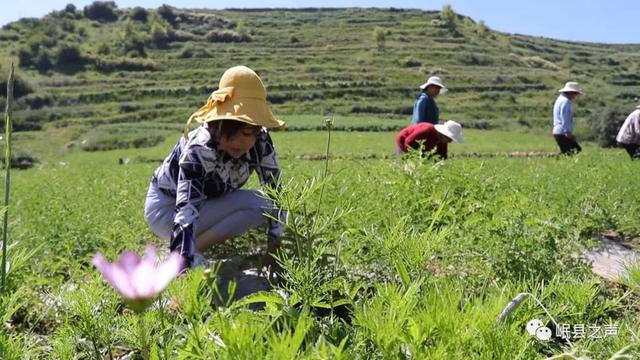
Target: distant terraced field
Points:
x,y
314,61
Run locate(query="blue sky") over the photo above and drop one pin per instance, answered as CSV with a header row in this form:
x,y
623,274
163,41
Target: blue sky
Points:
x,y
609,21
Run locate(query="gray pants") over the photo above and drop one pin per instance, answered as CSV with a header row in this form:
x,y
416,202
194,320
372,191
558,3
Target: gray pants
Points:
x,y
229,215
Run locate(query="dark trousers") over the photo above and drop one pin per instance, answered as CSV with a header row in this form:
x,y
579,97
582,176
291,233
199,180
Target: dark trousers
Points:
x,y
633,150
567,146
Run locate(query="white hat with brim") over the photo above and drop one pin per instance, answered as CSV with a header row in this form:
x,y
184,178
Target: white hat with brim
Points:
x,y
571,86
434,80
452,130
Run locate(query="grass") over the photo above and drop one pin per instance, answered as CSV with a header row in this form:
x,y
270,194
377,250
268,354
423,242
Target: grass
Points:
x,y
425,272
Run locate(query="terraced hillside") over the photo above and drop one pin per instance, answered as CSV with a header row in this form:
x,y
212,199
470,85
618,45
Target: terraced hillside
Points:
x,y
149,66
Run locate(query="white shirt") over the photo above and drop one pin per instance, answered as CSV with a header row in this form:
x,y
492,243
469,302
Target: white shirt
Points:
x,y
562,116
630,131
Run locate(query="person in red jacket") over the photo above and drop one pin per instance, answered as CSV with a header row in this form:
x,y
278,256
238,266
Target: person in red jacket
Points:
x,y
426,136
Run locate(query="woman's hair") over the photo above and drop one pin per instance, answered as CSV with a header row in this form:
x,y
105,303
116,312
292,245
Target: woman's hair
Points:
x,y
228,128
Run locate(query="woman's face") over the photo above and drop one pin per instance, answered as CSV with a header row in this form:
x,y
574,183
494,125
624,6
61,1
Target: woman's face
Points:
x,y
433,90
241,142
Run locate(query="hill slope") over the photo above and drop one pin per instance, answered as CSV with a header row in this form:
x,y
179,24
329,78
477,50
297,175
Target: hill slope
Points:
x,y
158,65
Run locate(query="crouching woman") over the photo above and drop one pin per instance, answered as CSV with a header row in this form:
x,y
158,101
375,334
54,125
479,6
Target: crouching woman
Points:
x,y
195,199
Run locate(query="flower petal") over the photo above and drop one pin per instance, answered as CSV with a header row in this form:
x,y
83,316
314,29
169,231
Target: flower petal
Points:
x,y
143,279
150,254
129,261
167,271
114,275
121,281
100,263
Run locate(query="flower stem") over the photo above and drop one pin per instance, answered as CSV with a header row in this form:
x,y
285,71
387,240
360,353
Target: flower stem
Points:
x,y
7,178
144,339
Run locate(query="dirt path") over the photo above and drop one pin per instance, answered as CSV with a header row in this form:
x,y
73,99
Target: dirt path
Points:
x,y
612,258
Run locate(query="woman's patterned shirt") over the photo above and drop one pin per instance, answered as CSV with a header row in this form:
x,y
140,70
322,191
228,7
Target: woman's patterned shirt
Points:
x,y
197,169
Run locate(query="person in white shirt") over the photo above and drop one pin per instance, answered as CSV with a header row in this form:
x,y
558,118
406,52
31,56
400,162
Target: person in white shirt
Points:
x,y
563,119
629,134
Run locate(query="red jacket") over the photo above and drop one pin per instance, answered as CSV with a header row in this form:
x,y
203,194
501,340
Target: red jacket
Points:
x,y
411,135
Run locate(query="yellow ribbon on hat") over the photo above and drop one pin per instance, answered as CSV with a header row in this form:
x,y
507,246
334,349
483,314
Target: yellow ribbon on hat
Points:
x,y
217,97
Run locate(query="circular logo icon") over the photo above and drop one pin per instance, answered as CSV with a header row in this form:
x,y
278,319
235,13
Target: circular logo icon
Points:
x,y
543,333
534,325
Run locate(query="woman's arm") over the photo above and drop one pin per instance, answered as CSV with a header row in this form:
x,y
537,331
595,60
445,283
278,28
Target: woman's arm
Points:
x,y
189,197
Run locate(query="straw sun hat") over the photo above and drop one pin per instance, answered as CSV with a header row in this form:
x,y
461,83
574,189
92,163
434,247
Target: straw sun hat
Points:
x,y
434,80
572,86
452,130
241,96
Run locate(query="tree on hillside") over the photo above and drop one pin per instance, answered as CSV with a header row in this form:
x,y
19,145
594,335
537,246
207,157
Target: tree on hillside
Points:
x,y
20,86
482,29
131,41
606,124
67,54
161,30
139,14
380,35
449,18
102,11
167,13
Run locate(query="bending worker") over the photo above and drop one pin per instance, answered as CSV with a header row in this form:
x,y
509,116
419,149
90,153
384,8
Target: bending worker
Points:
x,y
427,137
197,198
629,134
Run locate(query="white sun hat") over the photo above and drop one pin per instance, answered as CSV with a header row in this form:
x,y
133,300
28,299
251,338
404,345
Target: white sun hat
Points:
x,y
434,80
452,130
572,86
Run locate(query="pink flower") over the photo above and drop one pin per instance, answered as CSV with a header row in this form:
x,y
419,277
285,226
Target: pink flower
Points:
x,y
138,279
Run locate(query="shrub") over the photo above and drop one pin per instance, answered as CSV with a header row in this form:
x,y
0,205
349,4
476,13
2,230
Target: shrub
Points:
x,y
67,54
70,8
129,107
380,36
467,58
449,19
43,62
25,57
105,11
110,65
104,49
193,51
161,30
131,42
120,141
36,101
139,14
606,124
20,161
167,13
410,62
226,36
20,87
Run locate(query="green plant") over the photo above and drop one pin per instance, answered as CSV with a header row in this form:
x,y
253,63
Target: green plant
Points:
x,y
606,123
7,182
101,11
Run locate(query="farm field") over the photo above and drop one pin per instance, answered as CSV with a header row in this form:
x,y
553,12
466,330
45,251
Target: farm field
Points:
x,y
424,258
